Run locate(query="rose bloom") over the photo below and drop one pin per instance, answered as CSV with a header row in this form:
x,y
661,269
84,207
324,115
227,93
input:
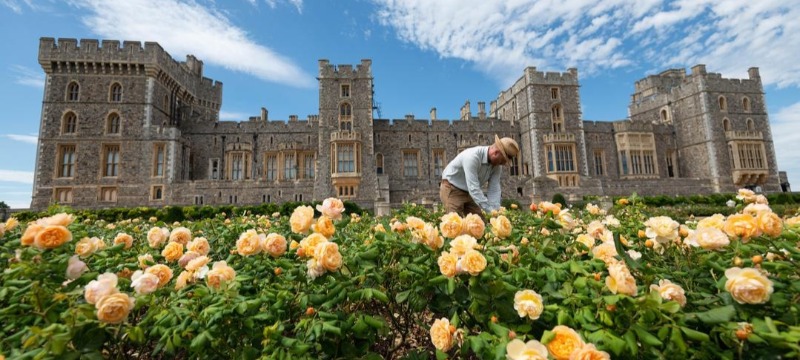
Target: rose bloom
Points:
x,y
274,245
635,255
143,259
144,283
566,220
52,236
428,235
620,280
301,219
670,291
472,262
332,208
328,256
593,209
315,270
714,221
183,279
528,303
180,235
605,251
748,285
661,229
249,243
589,352
114,308
106,284
62,219
742,226
197,263
324,226
413,222
11,223
86,246
172,252
532,350
163,272
769,224
546,206
709,238
157,236
586,240
473,225
596,229
501,227
186,258
756,209
442,334
746,195
199,245
461,244
75,267
447,264
452,225
220,273
793,222
379,228
123,238
564,342
30,234
309,244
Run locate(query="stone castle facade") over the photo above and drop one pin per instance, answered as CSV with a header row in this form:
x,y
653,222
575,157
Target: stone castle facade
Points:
x,y
127,125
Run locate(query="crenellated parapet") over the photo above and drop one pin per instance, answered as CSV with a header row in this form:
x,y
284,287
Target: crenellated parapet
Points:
x,y
328,70
570,77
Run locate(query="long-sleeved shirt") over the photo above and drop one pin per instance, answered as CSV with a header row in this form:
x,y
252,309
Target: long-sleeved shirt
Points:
x,y
469,170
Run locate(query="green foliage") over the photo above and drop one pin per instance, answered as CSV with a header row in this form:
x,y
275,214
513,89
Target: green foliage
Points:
x,y
559,199
3,205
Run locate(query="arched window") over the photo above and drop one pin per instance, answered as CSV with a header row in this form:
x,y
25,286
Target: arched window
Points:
x,y
379,163
112,124
558,118
750,125
345,117
116,92
746,104
165,104
73,91
723,104
726,124
69,123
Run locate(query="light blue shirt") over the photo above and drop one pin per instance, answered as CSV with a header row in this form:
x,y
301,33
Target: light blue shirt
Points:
x,y
469,170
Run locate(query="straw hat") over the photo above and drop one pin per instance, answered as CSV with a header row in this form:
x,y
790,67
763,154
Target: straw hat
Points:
x,y
507,146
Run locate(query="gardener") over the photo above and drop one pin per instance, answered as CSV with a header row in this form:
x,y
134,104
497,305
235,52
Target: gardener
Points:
x,y
463,177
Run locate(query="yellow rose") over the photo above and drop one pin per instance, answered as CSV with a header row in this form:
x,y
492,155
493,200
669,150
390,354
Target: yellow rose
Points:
x,y
144,259
172,252
447,264
428,235
30,234
593,209
566,220
589,352
199,245
123,238
742,226
183,279
379,228
528,303
546,206
114,308
714,221
301,219
275,245
605,251
11,223
452,225
670,291
52,236
332,208
324,226
249,243
106,284
62,219
586,240
294,245
661,229
85,247
398,226
157,236
565,341
516,349
442,334
793,222
197,263
472,262
623,202
328,256
219,274
309,244
413,222
180,235
709,238
746,195
756,209
769,224
620,280
748,285
473,226
163,272
501,227
461,244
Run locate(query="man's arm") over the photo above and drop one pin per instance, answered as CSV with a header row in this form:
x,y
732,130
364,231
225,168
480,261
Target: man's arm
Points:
x,y
471,166
494,188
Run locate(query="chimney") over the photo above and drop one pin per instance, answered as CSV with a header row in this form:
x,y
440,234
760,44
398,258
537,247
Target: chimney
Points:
x,y
699,69
481,110
264,113
753,72
292,118
433,113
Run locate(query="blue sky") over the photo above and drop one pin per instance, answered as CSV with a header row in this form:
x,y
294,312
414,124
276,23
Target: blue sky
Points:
x,y
424,53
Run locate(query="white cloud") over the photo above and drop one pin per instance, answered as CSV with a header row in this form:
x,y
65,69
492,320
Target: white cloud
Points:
x,y
25,76
16,5
25,177
605,34
186,27
785,124
230,115
30,139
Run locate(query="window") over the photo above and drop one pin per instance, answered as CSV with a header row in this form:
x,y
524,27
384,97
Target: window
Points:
x,y
165,104
665,116
637,154
62,195
555,93
157,192
726,124
345,90
411,163
750,155
345,158
108,194
347,192
66,161
671,170
116,92
723,104
308,166
271,167
514,170
73,91
560,158
159,156
198,199
112,124
69,123
237,163
558,118
379,163
599,163
746,104
237,166
110,160
438,162
345,117
750,125
290,166
214,169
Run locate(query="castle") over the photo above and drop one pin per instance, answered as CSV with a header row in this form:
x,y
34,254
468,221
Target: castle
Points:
x,y
130,126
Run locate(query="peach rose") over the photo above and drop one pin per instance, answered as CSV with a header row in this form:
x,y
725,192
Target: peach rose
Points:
x,y
144,283
709,238
328,256
123,238
670,291
528,303
589,352
564,342
516,349
144,260
398,226
379,228
756,209
442,334
593,209
197,263
472,262
566,220
249,243
546,206
605,251
52,236
275,245
180,235
114,308
714,221
62,219
75,267
301,219
220,273
586,240
451,225
30,234
163,272
157,236
199,245
106,284
793,222
11,223
309,244
173,251
746,195
315,270
183,279
332,208
473,226
742,226
620,280
461,244
428,235
324,226
769,224
86,246
413,222
187,257
501,227
661,229
748,285
447,264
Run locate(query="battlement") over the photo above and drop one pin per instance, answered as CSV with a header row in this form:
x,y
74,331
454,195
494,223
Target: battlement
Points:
x,y
570,77
328,70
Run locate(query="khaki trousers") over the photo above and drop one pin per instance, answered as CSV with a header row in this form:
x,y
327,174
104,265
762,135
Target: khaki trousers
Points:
x,y
457,200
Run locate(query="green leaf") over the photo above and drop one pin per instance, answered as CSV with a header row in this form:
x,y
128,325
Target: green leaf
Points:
x,y
714,316
694,335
